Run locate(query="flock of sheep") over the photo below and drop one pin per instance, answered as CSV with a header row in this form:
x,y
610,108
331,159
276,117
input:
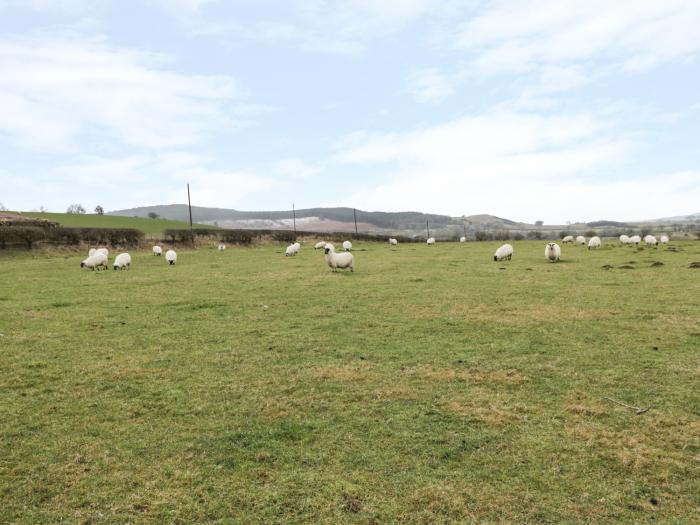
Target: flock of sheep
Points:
x,y
98,258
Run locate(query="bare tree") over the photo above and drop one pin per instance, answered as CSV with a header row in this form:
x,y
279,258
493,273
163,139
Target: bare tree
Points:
x,y
76,209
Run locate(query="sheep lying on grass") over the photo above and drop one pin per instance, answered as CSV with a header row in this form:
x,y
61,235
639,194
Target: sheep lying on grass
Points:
x,y
121,261
505,252
552,251
339,260
96,261
171,256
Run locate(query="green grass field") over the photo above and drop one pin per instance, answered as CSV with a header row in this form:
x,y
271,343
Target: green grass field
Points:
x,y
432,385
151,227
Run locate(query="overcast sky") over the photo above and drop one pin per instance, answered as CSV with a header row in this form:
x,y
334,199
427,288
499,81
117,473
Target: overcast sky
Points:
x,y
558,110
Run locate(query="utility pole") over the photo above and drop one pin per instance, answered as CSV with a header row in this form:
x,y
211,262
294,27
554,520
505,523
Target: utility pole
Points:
x,y
354,214
464,226
189,204
294,218
427,226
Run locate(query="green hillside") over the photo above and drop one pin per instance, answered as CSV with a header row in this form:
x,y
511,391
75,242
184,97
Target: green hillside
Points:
x,y
91,220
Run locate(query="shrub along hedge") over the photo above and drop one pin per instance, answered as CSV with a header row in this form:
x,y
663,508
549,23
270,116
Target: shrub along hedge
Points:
x,y
29,235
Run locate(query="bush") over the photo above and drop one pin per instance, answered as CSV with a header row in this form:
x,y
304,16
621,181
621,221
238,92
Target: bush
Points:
x,y
518,237
284,236
534,235
482,236
501,235
236,236
590,233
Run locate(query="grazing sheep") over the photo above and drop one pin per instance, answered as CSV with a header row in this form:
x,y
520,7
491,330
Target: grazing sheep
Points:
x,y
552,251
624,239
319,245
222,247
462,239
393,241
431,241
96,261
504,252
568,239
635,239
347,245
291,250
594,243
92,252
338,260
663,239
171,256
103,250
650,240
121,261
158,251
581,240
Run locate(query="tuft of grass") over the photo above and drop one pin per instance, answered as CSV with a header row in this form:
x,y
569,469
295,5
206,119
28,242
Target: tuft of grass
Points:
x,y
427,387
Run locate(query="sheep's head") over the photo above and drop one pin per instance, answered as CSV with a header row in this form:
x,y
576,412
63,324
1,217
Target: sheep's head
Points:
x,y
328,248
82,264
495,257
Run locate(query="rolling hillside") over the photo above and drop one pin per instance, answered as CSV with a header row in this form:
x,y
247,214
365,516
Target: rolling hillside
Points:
x,y
91,220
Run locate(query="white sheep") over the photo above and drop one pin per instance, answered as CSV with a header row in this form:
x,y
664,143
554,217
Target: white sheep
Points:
x,y
431,241
650,240
568,239
292,250
319,245
171,256
552,251
635,239
96,261
221,247
594,243
581,240
158,251
663,239
347,246
339,260
504,252
91,252
121,261
103,250
393,241
624,239
462,239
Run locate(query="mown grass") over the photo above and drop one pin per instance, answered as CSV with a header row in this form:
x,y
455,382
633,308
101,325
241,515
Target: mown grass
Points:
x,y
151,227
433,385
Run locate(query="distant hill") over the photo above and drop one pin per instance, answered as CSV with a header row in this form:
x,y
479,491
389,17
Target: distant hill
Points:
x,y
311,219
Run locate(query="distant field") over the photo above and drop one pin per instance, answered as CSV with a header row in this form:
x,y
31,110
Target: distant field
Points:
x,y
151,227
432,385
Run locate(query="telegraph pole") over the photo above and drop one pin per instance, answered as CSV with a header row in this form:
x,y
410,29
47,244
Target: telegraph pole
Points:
x,y
294,218
189,204
427,226
354,215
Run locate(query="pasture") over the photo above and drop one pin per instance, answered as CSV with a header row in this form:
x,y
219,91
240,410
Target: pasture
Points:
x,y
433,385
151,227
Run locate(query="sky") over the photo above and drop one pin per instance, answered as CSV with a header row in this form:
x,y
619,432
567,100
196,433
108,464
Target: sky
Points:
x,y
567,110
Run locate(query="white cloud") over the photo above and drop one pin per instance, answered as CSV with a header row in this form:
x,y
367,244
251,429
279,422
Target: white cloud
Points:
x,y
56,92
430,86
636,34
517,165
